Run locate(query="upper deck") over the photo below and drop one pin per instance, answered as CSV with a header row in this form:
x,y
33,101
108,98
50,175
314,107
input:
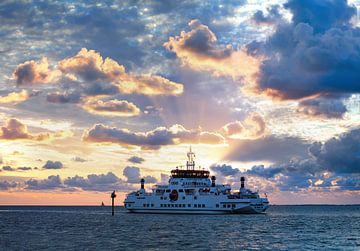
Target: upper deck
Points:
x,y
191,174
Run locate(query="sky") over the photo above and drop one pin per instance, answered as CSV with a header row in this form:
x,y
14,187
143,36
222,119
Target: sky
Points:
x,y
95,96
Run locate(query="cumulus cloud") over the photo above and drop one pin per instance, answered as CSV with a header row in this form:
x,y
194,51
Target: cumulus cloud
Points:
x,y
53,165
52,182
32,72
114,107
224,170
63,98
15,97
325,107
92,182
333,164
89,65
133,175
252,127
16,130
136,160
97,182
6,185
315,55
154,139
199,49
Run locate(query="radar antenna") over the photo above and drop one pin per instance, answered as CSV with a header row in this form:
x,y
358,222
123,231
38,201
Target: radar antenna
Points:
x,y
190,164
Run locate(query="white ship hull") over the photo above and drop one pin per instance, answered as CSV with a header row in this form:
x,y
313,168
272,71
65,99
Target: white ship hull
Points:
x,y
244,210
191,191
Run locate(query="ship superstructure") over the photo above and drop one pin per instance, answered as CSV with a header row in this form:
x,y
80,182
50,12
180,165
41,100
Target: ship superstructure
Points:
x,y
193,191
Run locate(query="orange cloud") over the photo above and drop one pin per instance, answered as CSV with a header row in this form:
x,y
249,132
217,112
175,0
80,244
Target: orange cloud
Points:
x,y
15,130
32,72
199,49
251,128
114,107
14,97
90,66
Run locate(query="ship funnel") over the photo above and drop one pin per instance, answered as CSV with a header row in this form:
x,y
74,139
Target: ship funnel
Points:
x,y
142,182
242,180
213,178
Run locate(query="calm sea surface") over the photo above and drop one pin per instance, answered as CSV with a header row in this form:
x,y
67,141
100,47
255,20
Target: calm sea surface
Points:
x,y
93,228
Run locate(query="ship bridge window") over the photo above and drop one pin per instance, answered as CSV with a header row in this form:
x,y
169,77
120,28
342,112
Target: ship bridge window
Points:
x,y
168,190
181,190
217,205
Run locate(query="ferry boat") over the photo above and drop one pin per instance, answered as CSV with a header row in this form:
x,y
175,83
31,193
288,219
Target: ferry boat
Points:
x,y
193,191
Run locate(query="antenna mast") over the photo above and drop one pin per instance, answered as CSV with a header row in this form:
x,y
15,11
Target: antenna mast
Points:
x,y
190,164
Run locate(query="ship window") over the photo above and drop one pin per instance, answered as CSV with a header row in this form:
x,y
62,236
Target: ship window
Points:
x,y
189,205
233,205
224,205
228,205
172,205
203,205
217,205
144,205
183,197
195,205
181,190
168,190
176,205
161,198
195,197
152,205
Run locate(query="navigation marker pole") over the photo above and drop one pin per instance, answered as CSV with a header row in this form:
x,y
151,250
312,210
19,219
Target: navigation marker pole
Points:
x,y
113,195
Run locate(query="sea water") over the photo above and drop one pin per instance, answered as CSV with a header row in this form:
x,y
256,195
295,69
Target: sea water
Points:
x,y
93,228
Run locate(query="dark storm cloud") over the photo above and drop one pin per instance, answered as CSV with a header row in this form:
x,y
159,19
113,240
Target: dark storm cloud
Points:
x,y
136,160
321,14
339,154
316,54
53,165
326,107
133,175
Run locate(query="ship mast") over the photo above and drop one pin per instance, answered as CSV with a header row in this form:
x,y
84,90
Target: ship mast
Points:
x,y
190,164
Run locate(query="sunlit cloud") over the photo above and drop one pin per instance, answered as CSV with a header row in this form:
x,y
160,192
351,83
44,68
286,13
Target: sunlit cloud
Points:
x,y
32,72
113,107
89,65
251,128
199,49
16,130
15,97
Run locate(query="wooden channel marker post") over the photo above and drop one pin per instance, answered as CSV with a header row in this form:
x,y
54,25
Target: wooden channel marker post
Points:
x,y
113,195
